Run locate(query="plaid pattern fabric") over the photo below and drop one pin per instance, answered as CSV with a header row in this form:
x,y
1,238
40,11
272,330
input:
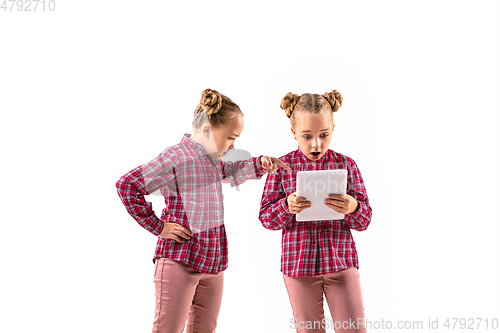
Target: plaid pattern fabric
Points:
x,y
191,183
312,248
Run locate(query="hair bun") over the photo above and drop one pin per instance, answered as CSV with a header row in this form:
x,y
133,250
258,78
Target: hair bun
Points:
x,y
335,99
288,103
211,101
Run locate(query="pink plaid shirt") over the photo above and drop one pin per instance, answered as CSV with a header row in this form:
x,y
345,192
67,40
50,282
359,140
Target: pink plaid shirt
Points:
x,y
312,248
190,182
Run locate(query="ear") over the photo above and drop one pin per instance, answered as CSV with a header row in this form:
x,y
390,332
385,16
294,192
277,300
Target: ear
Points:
x,y
333,127
205,129
293,132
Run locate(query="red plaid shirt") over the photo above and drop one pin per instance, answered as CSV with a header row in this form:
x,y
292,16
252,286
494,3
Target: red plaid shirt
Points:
x,y
312,248
190,182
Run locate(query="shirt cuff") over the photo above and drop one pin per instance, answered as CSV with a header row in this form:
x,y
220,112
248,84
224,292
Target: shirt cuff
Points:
x,y
158,225
357,213
259,171
284,213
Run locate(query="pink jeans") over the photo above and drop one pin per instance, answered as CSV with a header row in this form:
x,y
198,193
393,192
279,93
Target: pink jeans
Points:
x,y
342,291
183,294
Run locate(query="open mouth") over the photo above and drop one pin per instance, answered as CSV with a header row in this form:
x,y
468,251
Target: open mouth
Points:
x,y
315,154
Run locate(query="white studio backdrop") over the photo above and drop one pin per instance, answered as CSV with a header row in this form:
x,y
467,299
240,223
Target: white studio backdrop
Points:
x,y
95,88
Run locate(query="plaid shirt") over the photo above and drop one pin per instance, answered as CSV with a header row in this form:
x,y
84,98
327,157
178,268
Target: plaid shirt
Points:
x,y
190,182
312,248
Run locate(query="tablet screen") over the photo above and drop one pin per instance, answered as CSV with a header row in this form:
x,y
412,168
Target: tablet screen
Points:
x,y
315,186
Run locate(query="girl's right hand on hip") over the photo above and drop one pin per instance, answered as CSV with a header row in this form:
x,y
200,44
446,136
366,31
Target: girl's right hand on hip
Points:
x,y
175,231
297,204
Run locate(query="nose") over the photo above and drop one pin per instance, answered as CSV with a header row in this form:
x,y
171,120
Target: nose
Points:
x,y
315,143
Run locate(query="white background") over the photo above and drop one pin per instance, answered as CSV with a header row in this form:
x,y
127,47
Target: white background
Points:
x,y
96,88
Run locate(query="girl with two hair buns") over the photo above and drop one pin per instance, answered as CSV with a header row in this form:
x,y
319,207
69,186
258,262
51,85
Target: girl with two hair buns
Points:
x,y
191,251
318,257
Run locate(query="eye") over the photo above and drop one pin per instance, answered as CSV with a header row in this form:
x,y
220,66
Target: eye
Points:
x,y
324,135
232,139
306,136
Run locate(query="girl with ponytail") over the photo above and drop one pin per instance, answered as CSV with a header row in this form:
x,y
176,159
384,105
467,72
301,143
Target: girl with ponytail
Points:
x,y
318,257
191,251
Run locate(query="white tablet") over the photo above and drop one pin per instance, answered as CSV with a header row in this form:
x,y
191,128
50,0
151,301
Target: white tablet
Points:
x,y
315,186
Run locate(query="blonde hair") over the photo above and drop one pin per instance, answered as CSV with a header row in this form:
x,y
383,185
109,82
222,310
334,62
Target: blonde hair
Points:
x,y
218,109
329,101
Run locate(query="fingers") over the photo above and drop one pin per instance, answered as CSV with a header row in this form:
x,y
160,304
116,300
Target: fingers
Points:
x,y
174,237
337,201
271,164
342,204
299,200
300,206
339,206
298,209
179,236
297,204
182,232
176,232
303,204
186,231
281,164
336,208
337,197
266,162
334,204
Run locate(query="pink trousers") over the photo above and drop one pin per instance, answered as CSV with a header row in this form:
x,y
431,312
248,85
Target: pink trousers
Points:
x,y
342,291
185,299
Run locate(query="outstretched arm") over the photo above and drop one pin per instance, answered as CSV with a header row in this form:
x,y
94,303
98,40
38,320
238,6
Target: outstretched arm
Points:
x,y
236,173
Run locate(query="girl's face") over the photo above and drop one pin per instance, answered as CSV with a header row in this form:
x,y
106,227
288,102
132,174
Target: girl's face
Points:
x,y
313,132
225,136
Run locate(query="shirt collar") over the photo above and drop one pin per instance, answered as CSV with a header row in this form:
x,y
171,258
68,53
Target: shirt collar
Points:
x,y
191,144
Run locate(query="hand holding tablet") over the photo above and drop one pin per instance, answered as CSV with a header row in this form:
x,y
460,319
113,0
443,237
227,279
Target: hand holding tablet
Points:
x,y
297,204
344,204
326,190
